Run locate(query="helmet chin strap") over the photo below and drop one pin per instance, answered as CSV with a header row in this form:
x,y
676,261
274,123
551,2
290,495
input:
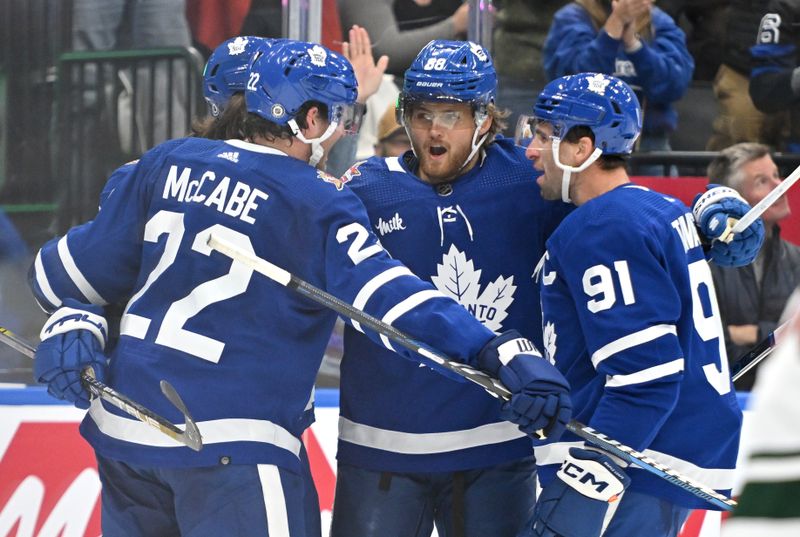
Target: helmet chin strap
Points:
x,y
568,170
476,144
317,151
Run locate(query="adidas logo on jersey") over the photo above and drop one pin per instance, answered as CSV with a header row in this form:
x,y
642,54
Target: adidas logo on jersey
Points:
x,y
233,156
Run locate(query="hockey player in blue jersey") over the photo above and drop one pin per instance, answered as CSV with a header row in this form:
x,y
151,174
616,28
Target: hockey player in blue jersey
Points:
x,y
464,212
242,351
631,319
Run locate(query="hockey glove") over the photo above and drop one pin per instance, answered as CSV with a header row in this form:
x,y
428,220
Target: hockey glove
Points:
x,y
575,503
73,338
540,394
715,212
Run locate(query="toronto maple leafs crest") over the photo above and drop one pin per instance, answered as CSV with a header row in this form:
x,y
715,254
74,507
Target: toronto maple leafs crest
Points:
x,y
457,278
317,55
598,83
237,46
549,334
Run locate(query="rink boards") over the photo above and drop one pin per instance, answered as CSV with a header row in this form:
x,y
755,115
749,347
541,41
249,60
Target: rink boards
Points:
x,y
49,484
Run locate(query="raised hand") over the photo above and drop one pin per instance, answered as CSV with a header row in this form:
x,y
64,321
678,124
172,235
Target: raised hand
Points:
x,y
358,50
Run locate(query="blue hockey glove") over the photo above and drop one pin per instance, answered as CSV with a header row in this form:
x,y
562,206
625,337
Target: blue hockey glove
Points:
x,y
540,394
73,338
715,212
575,503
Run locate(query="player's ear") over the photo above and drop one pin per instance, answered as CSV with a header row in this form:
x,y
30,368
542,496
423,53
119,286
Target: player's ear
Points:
x,y
315,122
585,146
486,125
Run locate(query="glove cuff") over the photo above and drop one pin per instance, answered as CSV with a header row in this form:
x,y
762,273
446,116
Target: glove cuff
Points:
x,y
710,197
596,478
66,319
502,349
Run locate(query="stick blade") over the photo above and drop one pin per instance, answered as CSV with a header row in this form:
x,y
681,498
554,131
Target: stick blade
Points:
x,y
193,438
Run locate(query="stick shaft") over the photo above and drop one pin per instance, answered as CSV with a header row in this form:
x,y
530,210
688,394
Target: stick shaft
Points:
x,y
493,386
755,355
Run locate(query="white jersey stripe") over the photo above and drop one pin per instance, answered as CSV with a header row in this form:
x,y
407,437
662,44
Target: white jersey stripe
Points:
x,y
405,306
274,500
213,431
373,285
426,443
646,375
75,274
393,164
44,283
716,478
632,340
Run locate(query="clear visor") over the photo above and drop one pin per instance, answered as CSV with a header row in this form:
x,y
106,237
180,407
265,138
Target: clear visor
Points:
x,y
349,117
421,118
526,130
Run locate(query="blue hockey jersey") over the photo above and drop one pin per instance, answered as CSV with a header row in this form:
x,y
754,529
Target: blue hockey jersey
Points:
x,y
478,240
241,350
631,320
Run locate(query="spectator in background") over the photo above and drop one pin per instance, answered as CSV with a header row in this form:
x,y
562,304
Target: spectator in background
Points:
x,y
140,24
521,27
775,78
751,298
392,137
400,28
704,23
739,120
634,41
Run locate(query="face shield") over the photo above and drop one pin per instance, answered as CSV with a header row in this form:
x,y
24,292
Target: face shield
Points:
x,y
349,116
423,119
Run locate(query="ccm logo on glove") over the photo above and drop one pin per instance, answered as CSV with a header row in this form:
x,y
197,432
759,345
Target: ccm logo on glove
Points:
x,y
595,480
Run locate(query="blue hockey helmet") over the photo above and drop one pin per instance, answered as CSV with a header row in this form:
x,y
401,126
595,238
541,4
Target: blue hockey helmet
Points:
x,y
292,73
603,103
226,71
449,71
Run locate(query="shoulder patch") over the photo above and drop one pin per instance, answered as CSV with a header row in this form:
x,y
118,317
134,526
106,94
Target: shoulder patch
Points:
x,y
352,172
335,181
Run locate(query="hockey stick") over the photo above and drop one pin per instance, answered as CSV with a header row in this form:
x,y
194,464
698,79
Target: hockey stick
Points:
x,y
491,385
190,437
752,357
760,207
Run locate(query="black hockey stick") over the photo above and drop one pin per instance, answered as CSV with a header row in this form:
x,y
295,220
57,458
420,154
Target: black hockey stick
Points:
x,y
751,358
191,437
491,385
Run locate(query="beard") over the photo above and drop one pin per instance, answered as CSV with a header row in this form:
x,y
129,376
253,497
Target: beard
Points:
x,y
445,168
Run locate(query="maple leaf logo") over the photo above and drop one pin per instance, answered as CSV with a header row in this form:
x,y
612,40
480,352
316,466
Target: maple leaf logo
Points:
x,y
237,46
457,278
550,342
